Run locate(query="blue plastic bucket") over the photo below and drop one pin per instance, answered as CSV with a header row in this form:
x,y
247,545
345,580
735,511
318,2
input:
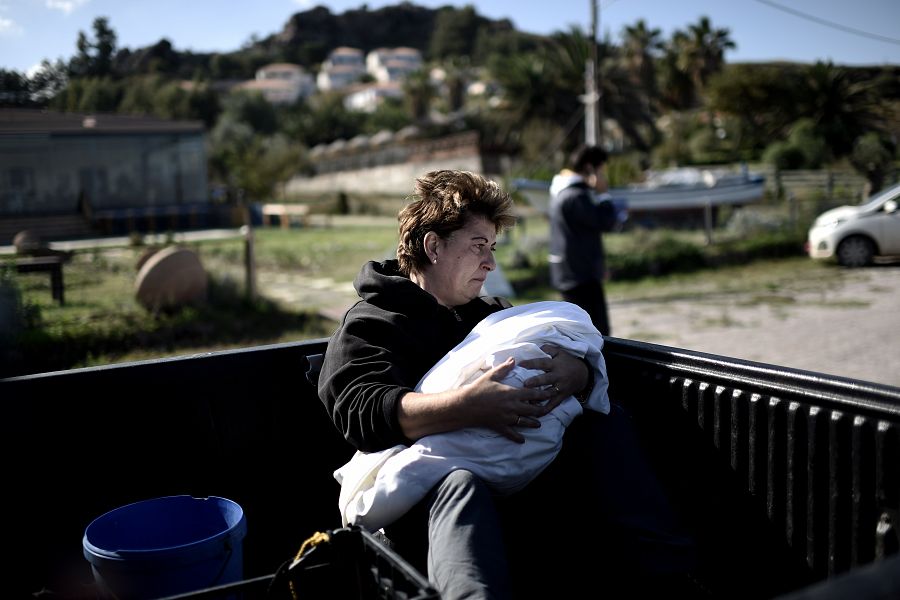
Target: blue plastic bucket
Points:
x,y
166,546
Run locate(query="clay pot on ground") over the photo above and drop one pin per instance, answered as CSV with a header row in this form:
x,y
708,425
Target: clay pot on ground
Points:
x,y
170,279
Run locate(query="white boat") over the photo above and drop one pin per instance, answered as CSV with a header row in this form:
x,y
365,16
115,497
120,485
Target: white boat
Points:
x,y
671,190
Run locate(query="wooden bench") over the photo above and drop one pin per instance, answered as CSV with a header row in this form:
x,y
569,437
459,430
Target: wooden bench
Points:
x,y
285,213
49,264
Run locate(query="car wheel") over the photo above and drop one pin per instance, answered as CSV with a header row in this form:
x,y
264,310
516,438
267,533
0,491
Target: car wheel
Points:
x,y
855,251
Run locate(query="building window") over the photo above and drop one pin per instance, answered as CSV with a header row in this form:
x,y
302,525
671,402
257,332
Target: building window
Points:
x,y
17,190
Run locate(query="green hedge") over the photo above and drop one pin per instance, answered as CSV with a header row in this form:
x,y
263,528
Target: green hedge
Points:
x,y
658,252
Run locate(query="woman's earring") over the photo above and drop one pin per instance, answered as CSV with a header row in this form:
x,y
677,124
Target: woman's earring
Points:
x,y
435,261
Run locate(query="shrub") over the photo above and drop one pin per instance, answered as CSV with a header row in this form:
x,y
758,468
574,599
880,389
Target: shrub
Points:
x,y
655,254
784,156
622,170
782,243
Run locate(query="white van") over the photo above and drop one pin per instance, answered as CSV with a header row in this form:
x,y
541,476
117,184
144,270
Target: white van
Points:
x,y
854,235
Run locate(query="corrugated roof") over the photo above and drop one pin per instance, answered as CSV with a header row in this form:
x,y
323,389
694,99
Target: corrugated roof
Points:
x,y
25,120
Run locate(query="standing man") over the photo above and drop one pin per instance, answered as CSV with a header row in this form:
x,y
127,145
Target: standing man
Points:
x,y
578,216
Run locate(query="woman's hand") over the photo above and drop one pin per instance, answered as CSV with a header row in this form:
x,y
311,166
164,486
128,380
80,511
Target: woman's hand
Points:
x,y
486,402
564,374
505,408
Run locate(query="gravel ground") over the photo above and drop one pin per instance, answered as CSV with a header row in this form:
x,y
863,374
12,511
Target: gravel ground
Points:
x,y
847,326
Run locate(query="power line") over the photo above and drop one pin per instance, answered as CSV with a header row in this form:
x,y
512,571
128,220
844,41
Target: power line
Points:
x,y
832,24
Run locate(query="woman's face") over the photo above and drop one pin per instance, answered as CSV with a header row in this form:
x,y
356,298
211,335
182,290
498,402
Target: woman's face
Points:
x,y
460,263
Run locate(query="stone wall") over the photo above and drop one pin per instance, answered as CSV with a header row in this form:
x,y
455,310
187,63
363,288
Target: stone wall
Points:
x,y
387,172
381,180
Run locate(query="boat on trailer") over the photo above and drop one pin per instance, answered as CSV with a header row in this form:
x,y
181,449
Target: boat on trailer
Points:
x,y
684,190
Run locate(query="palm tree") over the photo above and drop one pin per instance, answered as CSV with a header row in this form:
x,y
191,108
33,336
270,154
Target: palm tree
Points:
x,y
708,46
676,88
547,85
417,94
639,47
697,54
841,109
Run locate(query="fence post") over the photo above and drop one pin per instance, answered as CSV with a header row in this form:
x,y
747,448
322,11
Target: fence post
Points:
x,y
793,209
708,221
779,191
249,259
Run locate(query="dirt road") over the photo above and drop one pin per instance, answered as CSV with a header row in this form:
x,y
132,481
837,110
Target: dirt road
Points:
x,y
847,325
837,321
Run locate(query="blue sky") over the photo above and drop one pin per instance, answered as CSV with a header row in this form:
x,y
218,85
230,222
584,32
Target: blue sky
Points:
x,y
866,31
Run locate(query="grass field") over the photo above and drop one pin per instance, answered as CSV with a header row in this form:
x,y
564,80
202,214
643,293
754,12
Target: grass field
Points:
x,y
103,323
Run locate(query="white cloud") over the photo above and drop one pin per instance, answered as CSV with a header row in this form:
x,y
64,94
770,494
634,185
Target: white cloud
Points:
x,y
305,3
9,27
66,6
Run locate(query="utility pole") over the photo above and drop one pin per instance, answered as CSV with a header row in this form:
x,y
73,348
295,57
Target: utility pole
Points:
x,y
592,95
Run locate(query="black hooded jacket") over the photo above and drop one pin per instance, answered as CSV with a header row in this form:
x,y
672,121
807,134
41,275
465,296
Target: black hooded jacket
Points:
x,y
386,343
576,247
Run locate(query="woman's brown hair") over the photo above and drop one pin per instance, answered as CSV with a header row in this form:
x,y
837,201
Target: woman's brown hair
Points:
x,y
443,202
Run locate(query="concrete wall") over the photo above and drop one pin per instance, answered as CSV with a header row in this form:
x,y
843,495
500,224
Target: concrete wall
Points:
x,y
381,180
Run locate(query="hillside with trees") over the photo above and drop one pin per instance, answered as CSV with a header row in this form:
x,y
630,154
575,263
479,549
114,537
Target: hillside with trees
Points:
x,y
665,102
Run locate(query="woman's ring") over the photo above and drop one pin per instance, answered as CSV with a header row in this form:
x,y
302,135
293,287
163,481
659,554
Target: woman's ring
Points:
x,y
518,420
556,387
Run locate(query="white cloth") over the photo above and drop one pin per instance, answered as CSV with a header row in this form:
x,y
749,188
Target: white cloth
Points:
x,y
379,487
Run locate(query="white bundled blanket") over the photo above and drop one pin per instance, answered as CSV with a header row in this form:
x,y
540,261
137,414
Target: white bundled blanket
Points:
x,y
379,487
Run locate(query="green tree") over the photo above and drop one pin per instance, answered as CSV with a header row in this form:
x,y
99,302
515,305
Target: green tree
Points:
x,y
620,99
490,42
872,156
760,97
676,88
389,114
203,102
804,148
842,109
14,89
95,55
89,94
155,95
547,85
262,164
162,58
527,85
418,94
322,119
49,80
455,32
454,85
807,138
253,110
678,127
707,49
640,47
138,98
694,55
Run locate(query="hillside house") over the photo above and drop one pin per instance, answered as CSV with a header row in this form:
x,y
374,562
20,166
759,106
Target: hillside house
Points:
x,y
280,83
393,64
367,97
343,67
